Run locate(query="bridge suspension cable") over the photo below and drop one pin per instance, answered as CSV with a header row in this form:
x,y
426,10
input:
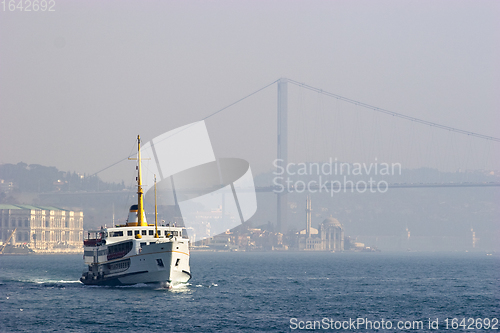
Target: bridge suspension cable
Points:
x,y
210,115
241,99
395,114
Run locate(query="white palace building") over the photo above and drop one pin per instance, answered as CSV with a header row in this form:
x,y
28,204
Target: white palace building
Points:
x,y
41,229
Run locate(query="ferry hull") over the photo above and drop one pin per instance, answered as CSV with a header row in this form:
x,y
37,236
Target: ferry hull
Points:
x,y
161,263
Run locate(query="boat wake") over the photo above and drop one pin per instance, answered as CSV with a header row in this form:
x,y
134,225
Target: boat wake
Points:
x,y
40,281
56,281
174,287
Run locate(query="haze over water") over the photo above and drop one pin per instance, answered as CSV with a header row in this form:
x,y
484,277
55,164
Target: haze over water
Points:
x,y
80,81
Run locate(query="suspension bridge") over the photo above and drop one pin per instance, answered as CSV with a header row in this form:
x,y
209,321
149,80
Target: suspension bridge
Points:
x,y
284,144
417,140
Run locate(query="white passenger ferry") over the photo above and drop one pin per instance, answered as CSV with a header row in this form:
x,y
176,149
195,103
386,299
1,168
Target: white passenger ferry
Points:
x,y
137,252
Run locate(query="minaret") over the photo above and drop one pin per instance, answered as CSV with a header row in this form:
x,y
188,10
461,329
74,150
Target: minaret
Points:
x,y
308,219
474,239
408,234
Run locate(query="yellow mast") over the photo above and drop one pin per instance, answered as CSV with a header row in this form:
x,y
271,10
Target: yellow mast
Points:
x,y
140,193
156,214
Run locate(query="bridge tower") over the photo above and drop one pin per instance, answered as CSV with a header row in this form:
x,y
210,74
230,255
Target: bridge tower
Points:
x,y
282,161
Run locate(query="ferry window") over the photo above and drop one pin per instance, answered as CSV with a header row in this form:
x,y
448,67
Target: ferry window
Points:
x,y
129,233
177,262
159,262
151,232
175,233
121,248
144,232
137,232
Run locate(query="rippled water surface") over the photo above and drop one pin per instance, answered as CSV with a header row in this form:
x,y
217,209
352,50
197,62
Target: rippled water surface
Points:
x,y
261,292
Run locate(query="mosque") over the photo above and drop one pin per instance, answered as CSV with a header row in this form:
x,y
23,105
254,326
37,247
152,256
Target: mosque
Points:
x,y
328,237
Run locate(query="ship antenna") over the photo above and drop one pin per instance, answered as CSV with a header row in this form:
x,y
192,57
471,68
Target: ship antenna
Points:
x,y
156,214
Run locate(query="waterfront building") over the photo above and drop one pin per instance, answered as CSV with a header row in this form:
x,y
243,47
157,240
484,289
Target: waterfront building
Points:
x,y
328,237
41,229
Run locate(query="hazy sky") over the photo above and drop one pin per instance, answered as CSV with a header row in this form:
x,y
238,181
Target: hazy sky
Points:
x,y
78,84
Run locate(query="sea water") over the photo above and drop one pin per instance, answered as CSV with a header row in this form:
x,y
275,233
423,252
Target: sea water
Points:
x,y
261,292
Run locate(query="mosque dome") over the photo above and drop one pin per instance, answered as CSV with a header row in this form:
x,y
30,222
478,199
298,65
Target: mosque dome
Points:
x,y
331,222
